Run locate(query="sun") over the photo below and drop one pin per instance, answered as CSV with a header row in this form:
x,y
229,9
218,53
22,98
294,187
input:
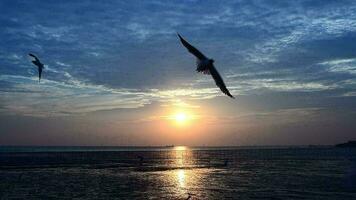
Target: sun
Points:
x,y
180,117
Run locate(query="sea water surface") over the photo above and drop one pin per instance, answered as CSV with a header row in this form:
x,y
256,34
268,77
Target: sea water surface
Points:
x,y
177,173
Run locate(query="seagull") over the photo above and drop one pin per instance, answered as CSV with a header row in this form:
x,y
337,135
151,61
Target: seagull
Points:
x,y
38,63
206,66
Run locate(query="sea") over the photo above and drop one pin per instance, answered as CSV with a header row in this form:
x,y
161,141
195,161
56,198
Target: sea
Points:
x,y
177,172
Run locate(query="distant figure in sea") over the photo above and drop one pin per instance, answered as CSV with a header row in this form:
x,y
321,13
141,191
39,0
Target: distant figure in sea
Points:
x,y
206,66
189,196
140,159
39,65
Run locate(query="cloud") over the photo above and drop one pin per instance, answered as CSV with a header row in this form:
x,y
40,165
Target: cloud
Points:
x,y
26,96
341,65
52,97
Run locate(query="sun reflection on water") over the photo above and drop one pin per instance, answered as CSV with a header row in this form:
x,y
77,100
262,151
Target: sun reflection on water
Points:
x,y
181,177
180,148
181,155
185,174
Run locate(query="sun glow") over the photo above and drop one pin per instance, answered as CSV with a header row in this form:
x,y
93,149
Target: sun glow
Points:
x,y
180,117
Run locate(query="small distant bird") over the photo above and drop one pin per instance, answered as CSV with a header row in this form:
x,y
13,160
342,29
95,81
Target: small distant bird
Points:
x,y
38,63
206,66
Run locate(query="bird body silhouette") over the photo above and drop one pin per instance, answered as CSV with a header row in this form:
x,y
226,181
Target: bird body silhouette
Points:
x,y
206,66
39,65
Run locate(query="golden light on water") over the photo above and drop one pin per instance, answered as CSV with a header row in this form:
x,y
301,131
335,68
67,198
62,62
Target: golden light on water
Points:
x,y
184,175
181,177
180,148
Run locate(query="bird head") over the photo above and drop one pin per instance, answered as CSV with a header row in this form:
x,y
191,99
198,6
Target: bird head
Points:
x,y
211,61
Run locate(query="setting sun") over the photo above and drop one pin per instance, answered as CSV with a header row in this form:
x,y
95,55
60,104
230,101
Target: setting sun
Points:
x,y
180,117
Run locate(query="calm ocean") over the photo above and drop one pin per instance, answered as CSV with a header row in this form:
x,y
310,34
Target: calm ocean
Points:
x,y
177,172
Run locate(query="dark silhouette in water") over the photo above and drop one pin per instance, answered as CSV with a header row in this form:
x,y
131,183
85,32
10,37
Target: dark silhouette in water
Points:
x,y
189,196
140,160
38,63
206,66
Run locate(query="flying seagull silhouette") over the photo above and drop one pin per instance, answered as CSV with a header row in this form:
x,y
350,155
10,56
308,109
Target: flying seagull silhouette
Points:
x,y
206,66
38,63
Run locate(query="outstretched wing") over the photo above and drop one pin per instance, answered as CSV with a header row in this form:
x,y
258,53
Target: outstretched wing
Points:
x,y
37,61
191,49
30,54
219,81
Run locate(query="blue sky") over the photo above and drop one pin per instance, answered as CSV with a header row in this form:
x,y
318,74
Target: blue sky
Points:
x,y
112,65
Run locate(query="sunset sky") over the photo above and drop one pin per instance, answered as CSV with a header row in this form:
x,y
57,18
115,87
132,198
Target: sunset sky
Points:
x,y
116,74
